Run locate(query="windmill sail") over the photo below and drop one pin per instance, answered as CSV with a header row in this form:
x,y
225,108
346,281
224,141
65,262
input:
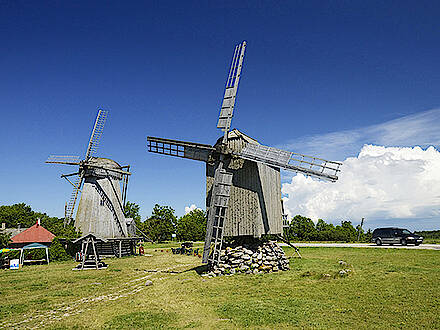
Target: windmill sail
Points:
x,y
97,130
227,109
68,160
191,150
308,165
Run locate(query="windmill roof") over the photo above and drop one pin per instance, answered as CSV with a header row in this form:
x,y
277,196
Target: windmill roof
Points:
x,y
34,234
235,133
104,162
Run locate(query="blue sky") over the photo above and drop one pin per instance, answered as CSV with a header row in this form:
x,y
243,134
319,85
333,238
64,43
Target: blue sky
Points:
x,y
313,71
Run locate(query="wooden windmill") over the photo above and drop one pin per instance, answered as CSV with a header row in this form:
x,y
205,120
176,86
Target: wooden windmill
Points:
x,y
243,185
101,207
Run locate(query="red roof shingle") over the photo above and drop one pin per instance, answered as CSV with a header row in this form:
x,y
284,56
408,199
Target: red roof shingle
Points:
x,y
34,234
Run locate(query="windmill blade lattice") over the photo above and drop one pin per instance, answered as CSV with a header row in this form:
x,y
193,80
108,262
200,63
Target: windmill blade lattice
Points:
x,y
308,165
191,150
227,109
97,130
68,160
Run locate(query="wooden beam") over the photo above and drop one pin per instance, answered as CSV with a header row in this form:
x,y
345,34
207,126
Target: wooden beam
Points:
x,y
95,254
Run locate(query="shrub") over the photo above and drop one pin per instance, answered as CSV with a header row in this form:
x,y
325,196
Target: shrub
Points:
x,y
57,251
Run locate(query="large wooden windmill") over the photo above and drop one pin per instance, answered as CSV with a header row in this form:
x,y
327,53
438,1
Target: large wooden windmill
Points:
x,y
243,184
101,207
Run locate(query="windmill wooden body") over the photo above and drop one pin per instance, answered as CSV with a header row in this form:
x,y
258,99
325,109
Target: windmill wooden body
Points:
x,y
243,186
101,206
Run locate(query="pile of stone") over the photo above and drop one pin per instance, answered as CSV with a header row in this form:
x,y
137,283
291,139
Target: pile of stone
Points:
x,y
250,258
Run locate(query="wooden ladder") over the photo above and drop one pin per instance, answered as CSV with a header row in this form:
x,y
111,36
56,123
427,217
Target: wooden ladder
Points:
x,y
221,192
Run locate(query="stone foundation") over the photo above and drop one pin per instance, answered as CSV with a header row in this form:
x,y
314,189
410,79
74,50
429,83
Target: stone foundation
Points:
x,y
251,257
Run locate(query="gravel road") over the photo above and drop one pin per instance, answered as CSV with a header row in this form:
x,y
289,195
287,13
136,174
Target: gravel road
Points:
x,y
366,245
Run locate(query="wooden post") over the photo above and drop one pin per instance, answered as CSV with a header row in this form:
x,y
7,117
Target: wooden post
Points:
x,y
85,254
96,255
47,255
359,235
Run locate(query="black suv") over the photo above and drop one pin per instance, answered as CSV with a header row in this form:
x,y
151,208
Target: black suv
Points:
x,y
395,236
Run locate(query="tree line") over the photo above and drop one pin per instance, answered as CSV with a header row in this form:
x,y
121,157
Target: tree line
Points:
x,y
22,215
431,234
304,229
164,225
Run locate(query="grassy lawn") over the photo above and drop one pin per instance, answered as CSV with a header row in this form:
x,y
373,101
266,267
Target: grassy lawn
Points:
x,y
386,288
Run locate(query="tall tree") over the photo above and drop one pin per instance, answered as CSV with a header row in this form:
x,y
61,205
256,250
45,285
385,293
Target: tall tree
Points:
x,y
17,214
22,214
161,225
131,210
346,231
302,228
192,226
325,231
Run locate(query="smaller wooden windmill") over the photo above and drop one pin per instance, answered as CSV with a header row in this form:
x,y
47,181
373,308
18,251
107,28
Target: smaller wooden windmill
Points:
x,y
243,184
101,207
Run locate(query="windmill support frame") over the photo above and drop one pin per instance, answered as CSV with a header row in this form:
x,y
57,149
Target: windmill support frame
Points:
x,y
116,195
66,177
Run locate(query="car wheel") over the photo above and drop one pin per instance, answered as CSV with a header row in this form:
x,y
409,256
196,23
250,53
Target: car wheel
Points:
x,y
417,244
378,241
403,241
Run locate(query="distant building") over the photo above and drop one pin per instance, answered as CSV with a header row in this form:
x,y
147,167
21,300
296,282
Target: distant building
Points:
x,y
34,234
11,231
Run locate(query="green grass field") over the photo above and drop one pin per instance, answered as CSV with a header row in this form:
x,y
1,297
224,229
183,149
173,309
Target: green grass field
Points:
x,y
386,288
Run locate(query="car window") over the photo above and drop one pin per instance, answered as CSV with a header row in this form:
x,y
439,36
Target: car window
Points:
x,y
406,231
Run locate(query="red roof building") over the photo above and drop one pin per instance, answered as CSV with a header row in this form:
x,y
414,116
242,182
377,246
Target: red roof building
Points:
x,y
34,234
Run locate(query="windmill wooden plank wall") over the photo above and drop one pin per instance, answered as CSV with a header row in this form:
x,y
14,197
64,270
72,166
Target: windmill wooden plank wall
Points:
x,y
100,209
255,201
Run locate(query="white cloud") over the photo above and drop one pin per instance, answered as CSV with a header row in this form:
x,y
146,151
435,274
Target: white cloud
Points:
x,y
191,208
380,183
420,129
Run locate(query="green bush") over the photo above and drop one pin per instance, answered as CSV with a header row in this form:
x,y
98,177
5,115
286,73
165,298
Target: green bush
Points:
x,y
192,226
4,240
303,229
161,225
57,251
